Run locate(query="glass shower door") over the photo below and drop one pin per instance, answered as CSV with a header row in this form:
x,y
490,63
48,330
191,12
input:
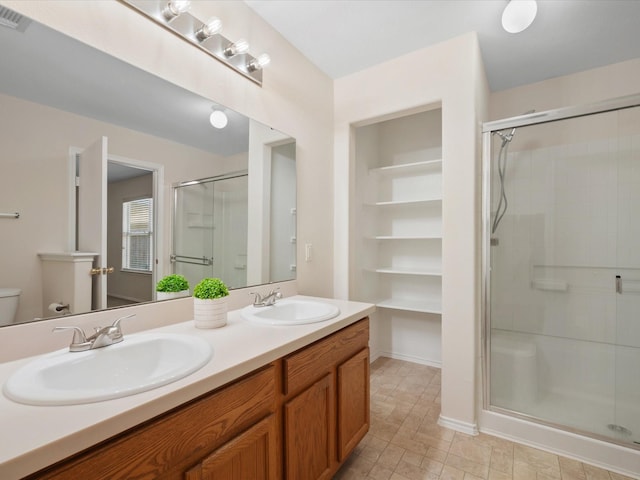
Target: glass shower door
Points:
x,y
210,230
626,424
192,252
565,274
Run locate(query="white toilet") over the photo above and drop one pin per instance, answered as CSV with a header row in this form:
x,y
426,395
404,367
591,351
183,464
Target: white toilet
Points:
x,y
8,305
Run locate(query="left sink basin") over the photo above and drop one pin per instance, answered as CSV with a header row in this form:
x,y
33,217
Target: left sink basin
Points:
x,y
139,363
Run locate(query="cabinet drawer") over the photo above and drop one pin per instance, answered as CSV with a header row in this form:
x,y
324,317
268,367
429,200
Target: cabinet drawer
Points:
x,y
167,444
311,363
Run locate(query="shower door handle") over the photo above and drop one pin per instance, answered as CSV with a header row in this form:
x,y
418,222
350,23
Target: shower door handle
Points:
x,y
618,284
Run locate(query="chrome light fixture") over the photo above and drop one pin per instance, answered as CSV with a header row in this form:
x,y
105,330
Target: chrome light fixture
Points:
x,y
518,15
259,62
209,29
236,48
174,15
175,8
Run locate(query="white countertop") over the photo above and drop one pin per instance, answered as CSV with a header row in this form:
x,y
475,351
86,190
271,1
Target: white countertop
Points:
x,y
33,437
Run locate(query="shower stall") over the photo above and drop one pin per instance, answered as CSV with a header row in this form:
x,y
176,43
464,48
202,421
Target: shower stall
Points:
x,y
561,264
210,229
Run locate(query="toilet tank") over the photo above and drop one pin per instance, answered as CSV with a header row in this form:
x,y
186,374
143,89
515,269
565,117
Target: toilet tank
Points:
x,y
8,304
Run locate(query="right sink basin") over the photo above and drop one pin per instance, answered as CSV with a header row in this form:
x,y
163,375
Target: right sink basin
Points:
x,y
291,311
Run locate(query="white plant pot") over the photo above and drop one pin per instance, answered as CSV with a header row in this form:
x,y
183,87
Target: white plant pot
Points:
x,y
170,295
210,313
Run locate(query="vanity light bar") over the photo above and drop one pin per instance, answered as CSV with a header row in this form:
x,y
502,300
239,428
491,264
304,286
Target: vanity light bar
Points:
x,y
175,17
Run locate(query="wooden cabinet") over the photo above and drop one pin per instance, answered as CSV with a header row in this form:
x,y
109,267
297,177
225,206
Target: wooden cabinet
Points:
x,y
251,455
296,418
309,427
353,402
326,412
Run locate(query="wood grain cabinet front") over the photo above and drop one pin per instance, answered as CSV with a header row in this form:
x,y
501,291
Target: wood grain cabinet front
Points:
x,y
309,425
353,402
253,455
326,414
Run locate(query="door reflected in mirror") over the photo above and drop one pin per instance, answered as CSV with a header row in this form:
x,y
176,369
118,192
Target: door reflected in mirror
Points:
x,y
56,116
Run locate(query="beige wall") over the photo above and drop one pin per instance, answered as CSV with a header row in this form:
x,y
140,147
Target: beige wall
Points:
x,y
450,73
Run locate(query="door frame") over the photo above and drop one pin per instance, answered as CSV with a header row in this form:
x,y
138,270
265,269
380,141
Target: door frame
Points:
x,y
157,170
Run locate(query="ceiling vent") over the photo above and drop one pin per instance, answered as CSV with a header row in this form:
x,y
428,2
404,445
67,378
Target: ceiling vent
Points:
x,y
11,19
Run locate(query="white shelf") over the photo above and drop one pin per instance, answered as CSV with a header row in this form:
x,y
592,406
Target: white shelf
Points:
x,y
407,237
411,305
404,203
408,271
407,167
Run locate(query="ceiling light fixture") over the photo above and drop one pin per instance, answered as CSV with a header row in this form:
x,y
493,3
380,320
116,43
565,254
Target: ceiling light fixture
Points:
x,y
236,48
218,119
209,29
259,62
174,16
518,15
175,8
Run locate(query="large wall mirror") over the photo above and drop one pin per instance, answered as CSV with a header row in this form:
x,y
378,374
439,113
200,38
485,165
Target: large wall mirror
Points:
x,y
120,178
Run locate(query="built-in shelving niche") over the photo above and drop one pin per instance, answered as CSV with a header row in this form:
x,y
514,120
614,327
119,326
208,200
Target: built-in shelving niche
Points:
x,y
396,233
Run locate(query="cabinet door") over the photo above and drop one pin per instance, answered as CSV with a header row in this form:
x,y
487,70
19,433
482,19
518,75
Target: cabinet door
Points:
x,y
353,402
250,456
309,427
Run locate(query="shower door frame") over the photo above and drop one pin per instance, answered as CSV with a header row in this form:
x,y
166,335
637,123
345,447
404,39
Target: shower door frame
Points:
x,y
174,191
488,128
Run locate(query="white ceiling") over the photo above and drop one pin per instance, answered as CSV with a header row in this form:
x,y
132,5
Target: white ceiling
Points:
x,y
567,36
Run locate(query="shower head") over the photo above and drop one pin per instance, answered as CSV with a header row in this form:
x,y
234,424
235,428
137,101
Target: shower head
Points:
x,y
507,137
502,169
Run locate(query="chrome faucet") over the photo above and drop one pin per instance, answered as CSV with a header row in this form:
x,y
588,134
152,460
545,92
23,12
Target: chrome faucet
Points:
x,y
266,300
103,336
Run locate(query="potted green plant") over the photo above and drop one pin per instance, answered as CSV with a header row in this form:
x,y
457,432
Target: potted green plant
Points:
x,y
172,286
210,303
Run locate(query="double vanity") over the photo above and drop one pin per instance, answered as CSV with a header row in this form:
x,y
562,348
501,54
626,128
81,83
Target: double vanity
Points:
x,y
262,397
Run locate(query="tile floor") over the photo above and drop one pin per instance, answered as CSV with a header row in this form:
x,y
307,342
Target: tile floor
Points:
x,y
405,442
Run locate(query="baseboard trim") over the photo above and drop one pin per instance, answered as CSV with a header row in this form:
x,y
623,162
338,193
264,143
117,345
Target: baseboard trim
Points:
x,y
406,358
458,426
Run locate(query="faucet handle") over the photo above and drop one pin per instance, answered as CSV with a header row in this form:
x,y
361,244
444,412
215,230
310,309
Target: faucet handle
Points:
x,y
116,324
257,297
79,341
114,331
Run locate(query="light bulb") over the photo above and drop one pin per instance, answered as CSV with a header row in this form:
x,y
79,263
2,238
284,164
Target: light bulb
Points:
x,y
209,29
218,119
175,8
518,15
259,62
237,48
